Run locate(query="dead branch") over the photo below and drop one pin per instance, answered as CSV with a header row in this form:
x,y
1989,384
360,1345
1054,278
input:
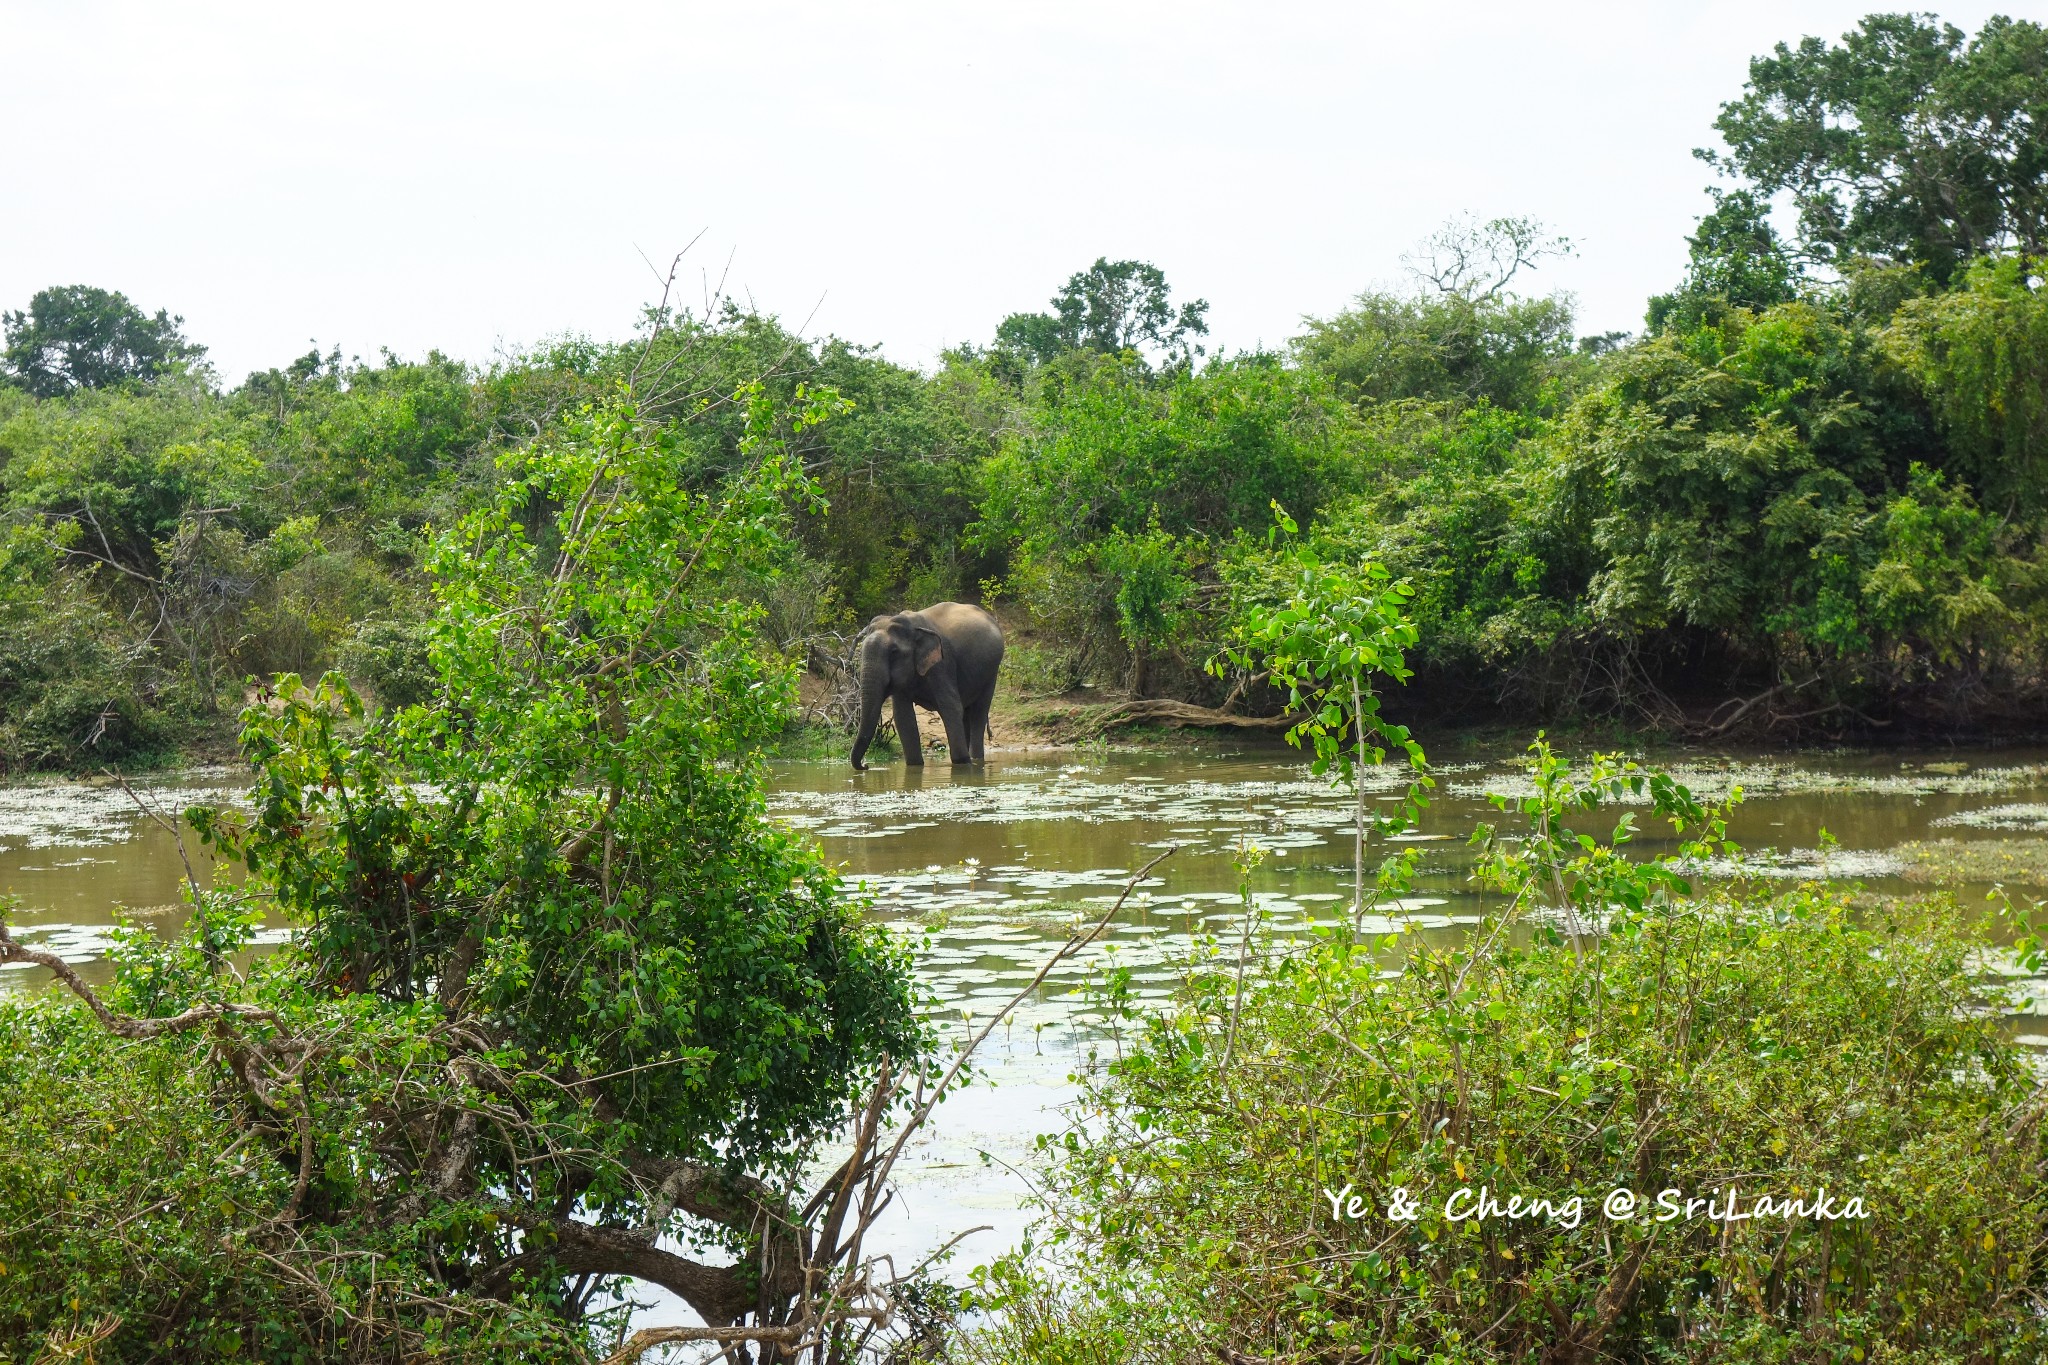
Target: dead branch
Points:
x,y
127,1026
1743,706
793,1334
77,1343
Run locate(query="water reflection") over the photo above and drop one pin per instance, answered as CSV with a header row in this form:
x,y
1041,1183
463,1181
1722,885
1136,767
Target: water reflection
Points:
x,y
990,869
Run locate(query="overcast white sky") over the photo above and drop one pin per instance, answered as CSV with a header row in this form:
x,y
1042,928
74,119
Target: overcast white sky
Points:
x,y
466,176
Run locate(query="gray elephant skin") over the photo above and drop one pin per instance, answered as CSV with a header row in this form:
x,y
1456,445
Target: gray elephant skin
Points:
x,y
945,659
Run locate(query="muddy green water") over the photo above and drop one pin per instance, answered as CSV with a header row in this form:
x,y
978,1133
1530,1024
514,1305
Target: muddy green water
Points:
x,y
987,869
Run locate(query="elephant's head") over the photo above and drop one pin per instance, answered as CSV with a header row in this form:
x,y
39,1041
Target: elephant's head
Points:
x,y
894,652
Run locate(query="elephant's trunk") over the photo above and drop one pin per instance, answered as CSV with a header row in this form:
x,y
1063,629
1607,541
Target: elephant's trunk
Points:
x,y
874,686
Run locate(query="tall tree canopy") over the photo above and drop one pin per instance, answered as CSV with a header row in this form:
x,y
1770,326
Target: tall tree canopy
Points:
x,y
1111,307
78,337
1905,142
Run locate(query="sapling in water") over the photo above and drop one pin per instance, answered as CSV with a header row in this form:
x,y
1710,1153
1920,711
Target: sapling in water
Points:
x,y
1334,628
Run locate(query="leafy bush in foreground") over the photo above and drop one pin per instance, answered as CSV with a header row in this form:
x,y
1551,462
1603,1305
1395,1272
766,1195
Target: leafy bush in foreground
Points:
x,y
564,1010
137,1214
1774,1046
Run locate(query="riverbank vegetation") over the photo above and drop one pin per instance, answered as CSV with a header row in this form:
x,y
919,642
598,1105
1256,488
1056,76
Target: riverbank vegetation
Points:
x,y
1808,495
1625,1118
562,1006
1289,1163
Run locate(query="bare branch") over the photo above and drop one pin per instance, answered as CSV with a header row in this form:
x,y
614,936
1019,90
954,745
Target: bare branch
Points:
x,y
1073,945
127,1026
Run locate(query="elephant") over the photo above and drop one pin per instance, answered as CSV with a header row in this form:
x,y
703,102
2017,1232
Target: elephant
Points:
x,y
943,658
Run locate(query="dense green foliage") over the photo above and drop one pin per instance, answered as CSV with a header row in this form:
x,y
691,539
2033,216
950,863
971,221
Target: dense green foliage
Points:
x,y
136,1205
1462,336
1905,143
560,989
1809,494
79,337
1225,1188
1110,308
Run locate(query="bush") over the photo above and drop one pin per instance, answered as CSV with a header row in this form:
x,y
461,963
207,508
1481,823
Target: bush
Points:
x,y
1042,670
68,697
561,998
306,604
1726,1047
131,1187
1981,354
390,658
1115,502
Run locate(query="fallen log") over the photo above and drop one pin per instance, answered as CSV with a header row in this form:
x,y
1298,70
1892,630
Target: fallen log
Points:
x,y
1096,720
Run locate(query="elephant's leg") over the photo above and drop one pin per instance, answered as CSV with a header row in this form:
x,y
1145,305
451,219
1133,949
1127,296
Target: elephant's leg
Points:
x,y
977,730
952,715
906,732
988,706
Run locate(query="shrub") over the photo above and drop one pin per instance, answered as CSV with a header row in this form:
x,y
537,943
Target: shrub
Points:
x,y
130,1192
561,997
1112,504
1723,1046
68,697
390,658
1981,354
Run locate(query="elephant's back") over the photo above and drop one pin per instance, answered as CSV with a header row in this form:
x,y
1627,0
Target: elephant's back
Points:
x,y
964,620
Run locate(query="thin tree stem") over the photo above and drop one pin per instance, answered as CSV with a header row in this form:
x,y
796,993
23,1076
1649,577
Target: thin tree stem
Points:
x,y
1358,810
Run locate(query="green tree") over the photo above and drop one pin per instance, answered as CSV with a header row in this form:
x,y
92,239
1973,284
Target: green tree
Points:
x,y
1467,512
1946,585
1390,347
564,1006
1733,480
69,695
896,469
1737,261
1120,485
1110,308
1463,335
1209,450
1905,142
1980,352
78,337
1152,574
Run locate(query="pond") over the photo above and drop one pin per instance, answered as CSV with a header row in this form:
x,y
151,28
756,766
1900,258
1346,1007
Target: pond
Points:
x,y
988,870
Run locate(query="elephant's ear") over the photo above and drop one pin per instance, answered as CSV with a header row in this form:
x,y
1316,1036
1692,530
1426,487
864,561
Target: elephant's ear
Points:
x,y
925,641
